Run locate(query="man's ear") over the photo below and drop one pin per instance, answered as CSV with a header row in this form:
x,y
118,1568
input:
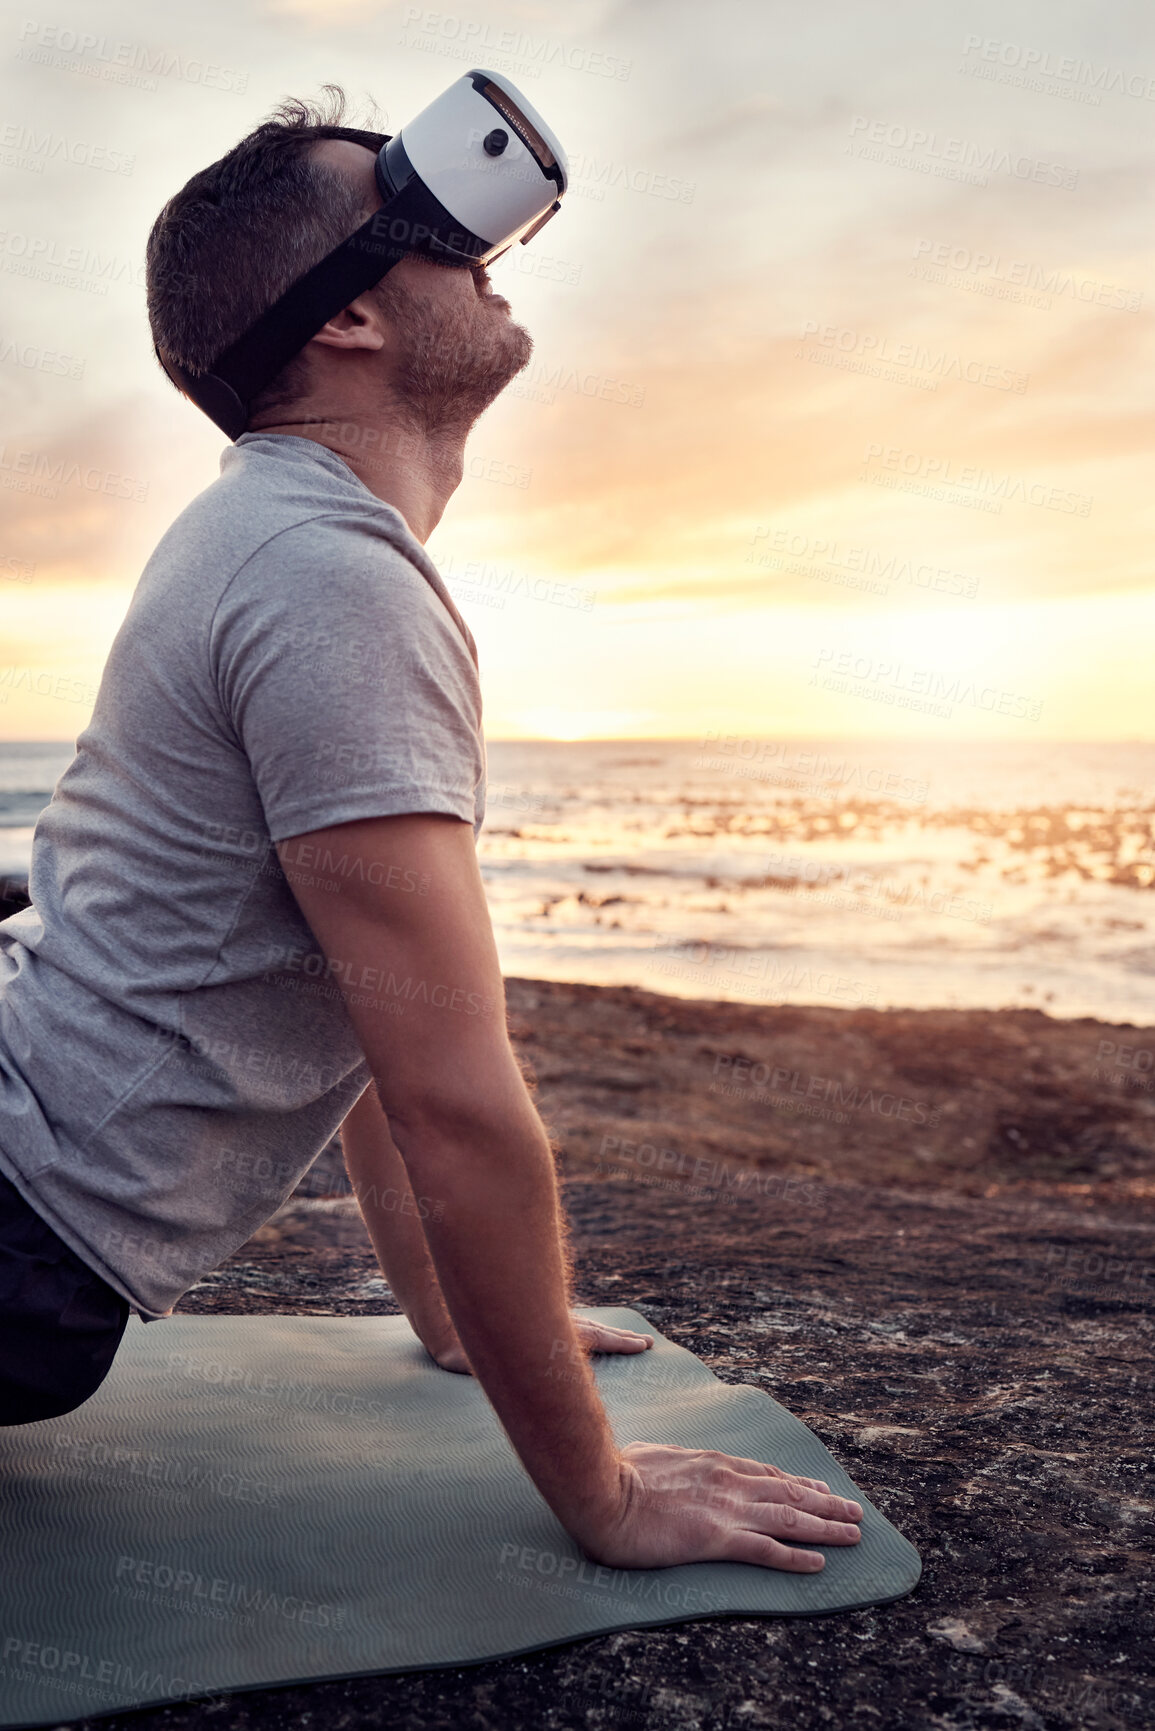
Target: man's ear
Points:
x,y
356,326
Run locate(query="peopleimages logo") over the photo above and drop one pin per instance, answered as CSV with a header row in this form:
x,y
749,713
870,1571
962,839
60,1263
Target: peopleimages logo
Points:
x,y
1033,63
40,360
565,1571
54,472
741,1076
922,471
146,1572
915,687
23,147
877,350
859,566
120,62
462,37
317,964
928,152
64,687
1012,274
64,1668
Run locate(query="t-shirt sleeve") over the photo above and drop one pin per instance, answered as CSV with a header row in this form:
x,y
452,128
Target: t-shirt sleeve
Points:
x,y
346,682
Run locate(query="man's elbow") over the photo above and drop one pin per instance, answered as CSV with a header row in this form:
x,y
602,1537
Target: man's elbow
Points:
x,y
439,1120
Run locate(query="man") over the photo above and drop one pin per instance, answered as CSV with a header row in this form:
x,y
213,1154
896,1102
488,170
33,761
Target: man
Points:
x,y
256,909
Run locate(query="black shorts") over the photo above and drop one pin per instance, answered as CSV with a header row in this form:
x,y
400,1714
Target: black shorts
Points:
x,y
60,1324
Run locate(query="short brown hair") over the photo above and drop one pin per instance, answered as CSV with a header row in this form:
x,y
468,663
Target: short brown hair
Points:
x,y
233,239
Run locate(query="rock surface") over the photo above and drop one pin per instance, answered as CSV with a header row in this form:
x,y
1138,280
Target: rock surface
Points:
x,y
931,1235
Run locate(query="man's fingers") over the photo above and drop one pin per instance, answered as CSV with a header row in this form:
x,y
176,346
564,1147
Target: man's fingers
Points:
x,y
602,1337
767,1553
815,1484
741,1464
766,1471
819,1521
748,1490
778,1472
808,1501
809,1494
787,1520
801,1528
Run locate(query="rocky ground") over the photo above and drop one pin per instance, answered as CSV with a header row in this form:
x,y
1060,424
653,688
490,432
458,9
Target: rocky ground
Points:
x,y
929,1234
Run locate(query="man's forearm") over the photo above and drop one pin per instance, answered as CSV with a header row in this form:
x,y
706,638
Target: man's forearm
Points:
x,y
392,1215
500,1258
461,1116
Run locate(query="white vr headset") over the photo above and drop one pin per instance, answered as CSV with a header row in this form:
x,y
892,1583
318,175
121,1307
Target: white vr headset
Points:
x,y
475,171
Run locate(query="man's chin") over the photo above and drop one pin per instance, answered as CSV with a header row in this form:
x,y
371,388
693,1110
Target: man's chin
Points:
x,y
521,349
454,373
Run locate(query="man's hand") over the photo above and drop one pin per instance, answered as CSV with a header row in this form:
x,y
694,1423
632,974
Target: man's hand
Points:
x,y
592,1337
684,1505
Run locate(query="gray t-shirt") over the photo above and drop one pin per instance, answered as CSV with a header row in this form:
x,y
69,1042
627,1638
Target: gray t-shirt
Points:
x,y
173,1057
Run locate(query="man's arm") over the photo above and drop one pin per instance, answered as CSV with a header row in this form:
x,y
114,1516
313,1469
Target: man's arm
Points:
x,y
423,987
392,1215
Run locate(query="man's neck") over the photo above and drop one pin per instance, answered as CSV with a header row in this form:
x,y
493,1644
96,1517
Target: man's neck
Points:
x,y
414,471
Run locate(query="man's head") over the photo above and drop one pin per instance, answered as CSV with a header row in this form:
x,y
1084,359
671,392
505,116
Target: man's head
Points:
x,y
429,344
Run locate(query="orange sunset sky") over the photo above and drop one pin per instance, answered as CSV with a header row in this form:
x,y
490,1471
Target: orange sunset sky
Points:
x,y
843,355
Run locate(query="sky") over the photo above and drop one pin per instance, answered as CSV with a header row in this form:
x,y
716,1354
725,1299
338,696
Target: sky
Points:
x,y
840,417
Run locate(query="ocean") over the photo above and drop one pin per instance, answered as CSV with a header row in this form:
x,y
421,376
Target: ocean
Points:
x,y
849,873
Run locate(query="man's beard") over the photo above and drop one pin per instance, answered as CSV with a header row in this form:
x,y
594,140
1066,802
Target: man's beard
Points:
x,y
453,361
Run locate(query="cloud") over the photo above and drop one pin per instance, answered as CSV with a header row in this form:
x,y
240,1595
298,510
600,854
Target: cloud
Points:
x,y
82,502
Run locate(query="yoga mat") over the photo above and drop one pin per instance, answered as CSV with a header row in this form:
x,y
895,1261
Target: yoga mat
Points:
x,y
249,1501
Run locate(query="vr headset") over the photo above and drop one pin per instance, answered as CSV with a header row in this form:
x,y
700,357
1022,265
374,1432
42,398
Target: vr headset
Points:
x,y
475,171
